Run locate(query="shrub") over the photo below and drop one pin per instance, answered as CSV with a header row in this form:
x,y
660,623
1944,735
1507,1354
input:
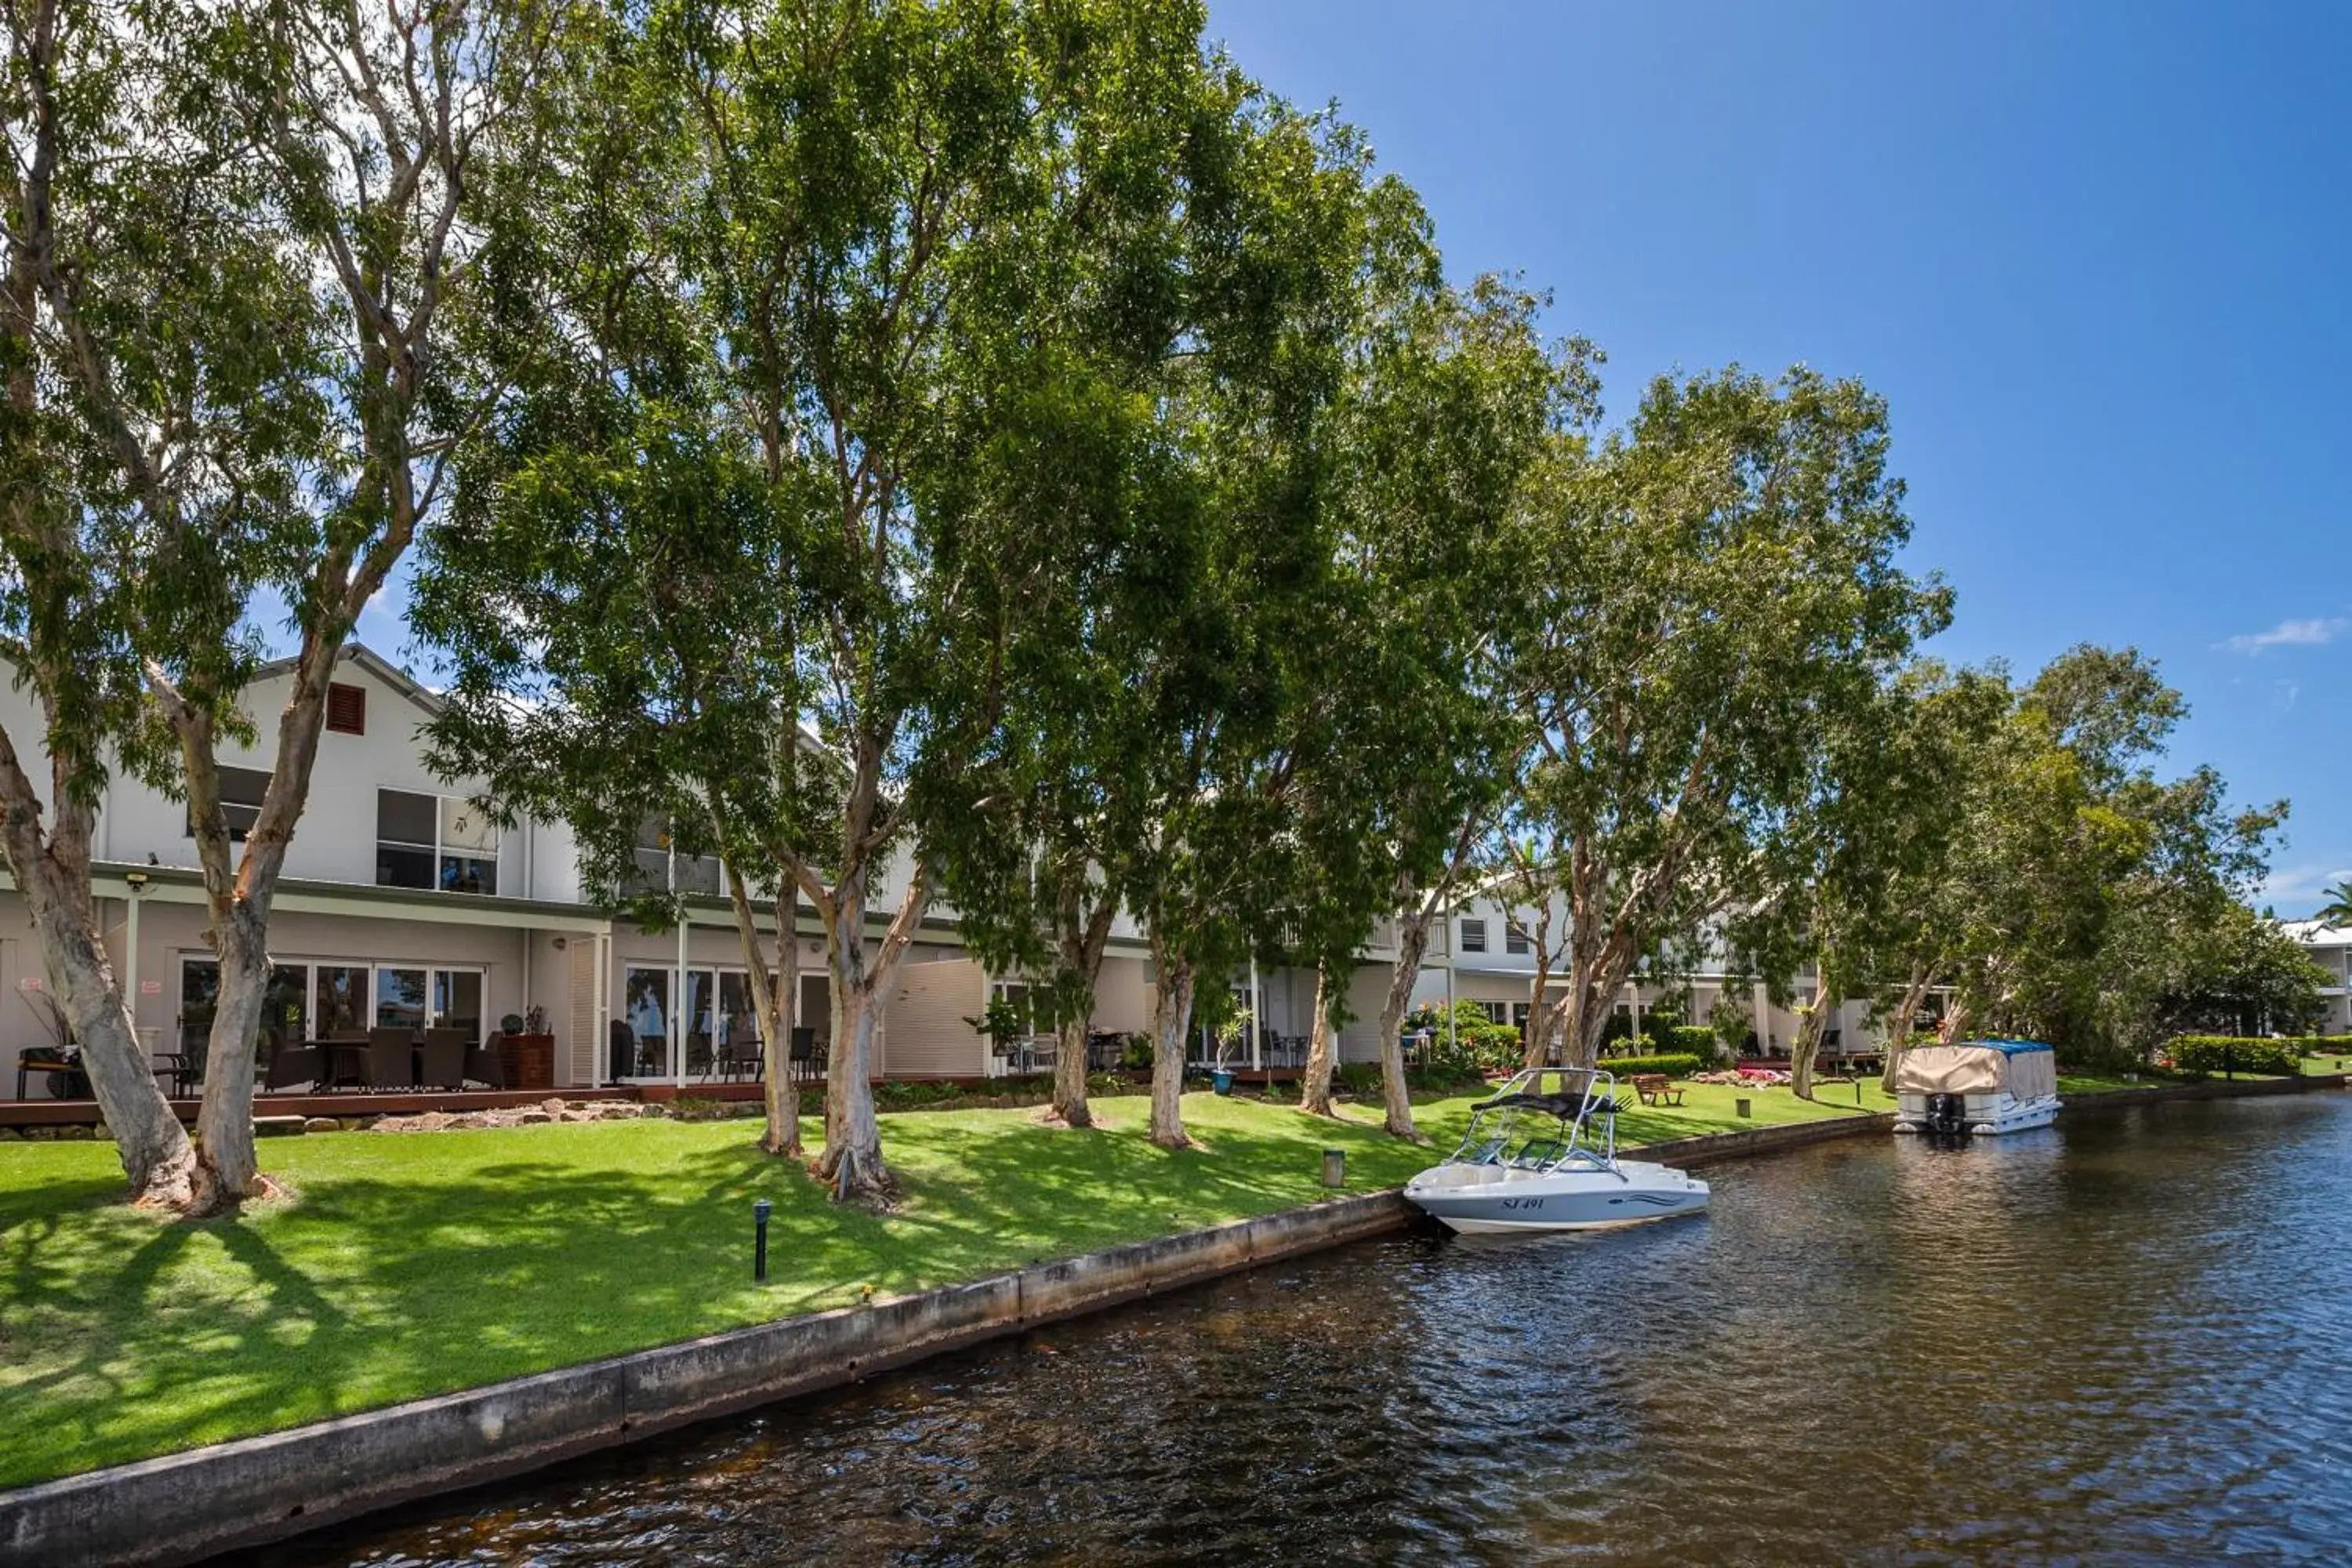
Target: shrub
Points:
x,y
1477,1038
1355,1078
1693,1039
1139,1054
2222,1053
1677,1064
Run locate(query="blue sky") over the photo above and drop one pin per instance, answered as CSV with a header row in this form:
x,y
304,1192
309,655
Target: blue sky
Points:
x,y
2096,255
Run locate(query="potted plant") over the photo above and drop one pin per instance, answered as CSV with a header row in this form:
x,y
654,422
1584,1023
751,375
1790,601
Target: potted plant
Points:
x,y
1231,1033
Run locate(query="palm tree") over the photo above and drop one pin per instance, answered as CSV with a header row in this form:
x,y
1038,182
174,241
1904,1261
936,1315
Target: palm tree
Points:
x,y
2337,910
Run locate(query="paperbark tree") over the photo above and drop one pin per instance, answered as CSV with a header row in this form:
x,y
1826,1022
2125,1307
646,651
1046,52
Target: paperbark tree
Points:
x,y
72,608
1718,583
1876,820
1451,399
245,308
622,595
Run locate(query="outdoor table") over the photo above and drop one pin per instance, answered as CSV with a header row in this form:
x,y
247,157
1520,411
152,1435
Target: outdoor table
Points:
x,y
340,1061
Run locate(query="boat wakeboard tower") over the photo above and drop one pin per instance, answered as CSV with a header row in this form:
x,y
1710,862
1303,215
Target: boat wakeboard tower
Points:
x,y
1542,1155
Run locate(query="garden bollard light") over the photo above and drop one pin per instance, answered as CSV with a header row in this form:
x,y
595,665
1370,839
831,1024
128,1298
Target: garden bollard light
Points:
x,y
1857,1092
1742,1107
760,1212
1335,1167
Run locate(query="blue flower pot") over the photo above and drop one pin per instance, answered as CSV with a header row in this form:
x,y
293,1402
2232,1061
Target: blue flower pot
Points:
x,y
1223,1082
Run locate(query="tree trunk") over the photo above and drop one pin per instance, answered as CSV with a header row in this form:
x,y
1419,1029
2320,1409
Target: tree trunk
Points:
x,y
1070,1073
1808,1043
227,1170
156,1155
1535,1046
780,1018
1899,1039
1396,1094
1315,1084
1171,1020
773,999
852,1139
54,878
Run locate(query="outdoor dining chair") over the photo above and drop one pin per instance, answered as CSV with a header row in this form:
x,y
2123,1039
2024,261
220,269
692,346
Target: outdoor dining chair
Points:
x,y
804,1055
392,1058
483,1066
443,1056
291,1065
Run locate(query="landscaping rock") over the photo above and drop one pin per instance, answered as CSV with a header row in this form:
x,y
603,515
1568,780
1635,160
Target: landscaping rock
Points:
x,y
278,1126
40,1134
76,1133
9,1135
533,1118
321,1124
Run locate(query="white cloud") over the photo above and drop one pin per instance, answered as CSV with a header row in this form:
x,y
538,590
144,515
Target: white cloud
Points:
x,y
2314,633
2298,885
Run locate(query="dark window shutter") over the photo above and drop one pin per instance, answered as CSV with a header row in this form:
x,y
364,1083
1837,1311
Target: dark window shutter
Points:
x,y
347,709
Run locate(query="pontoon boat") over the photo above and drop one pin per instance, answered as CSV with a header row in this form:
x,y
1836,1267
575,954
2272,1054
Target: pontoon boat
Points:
x,y
1542,1155
1976,1087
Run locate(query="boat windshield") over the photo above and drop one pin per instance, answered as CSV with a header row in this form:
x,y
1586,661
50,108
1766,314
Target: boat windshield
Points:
x,y
1542,1119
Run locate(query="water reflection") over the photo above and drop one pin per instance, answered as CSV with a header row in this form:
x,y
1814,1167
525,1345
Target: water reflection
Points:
x,y
2120,1340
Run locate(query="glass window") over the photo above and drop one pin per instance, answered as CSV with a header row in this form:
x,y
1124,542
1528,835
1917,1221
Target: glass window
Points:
x,y
1513,940
199,998
282,1010
400,998
739,1020
241,790
396,867
465,873
645,1006
466,828
458,1001
402,816
338,1000
1473,936
694,873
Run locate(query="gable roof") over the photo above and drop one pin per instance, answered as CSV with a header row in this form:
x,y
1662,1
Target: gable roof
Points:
x,y
373,663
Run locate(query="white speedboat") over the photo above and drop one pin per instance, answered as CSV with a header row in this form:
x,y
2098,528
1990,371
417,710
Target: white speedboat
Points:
x,y
1981,1087
1542,1155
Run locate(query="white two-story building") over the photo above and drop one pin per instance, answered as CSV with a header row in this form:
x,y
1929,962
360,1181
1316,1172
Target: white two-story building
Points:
x,y
403,906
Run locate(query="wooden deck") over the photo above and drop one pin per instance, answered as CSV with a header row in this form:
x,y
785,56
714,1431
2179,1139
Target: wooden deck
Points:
x,y
397,1102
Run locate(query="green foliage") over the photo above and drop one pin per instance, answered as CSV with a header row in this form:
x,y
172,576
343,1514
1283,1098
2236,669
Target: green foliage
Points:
x,y
2218,1053
1721,584
1357,1078
1696,1040
1478,1045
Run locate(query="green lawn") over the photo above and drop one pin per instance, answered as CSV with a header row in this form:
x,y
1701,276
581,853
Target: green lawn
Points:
x,y
413,1264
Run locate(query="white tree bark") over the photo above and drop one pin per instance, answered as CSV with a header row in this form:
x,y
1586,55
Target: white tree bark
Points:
x,y
1314,1083
1171,1020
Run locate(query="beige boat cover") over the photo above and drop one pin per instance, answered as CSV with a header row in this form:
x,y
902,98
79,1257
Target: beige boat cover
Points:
x,y
1976,1070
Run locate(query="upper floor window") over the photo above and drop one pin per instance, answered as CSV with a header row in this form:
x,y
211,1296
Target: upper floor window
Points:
x,y
434,841
241,790
347,709
1514,938
1473,936
694,873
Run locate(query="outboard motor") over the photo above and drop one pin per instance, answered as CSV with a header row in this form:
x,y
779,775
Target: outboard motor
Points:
x,y
1948,1113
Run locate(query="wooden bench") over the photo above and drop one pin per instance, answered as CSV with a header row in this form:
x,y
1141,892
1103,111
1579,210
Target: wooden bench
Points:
x,y
1654,1089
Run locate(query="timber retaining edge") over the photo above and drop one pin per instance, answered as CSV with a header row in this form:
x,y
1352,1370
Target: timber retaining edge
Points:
x,y
184,1506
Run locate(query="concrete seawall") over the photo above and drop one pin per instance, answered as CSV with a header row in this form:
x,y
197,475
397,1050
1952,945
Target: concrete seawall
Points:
x,y
184,1507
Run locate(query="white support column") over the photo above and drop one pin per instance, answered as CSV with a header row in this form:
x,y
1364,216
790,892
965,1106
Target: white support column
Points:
x,y
1257,1020
131,957
678,988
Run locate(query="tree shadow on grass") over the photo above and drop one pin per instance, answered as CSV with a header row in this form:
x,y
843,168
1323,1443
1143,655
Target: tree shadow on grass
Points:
x,y
414,1268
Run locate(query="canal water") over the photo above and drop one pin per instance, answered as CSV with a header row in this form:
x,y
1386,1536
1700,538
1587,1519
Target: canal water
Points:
x,y
2126,1338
